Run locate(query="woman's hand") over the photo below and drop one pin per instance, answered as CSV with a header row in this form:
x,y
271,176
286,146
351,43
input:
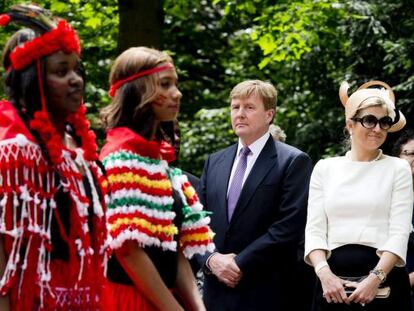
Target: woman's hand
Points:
x,y
366,290
332,286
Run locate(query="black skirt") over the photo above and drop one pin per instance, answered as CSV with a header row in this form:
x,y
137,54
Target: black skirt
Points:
x,y
357,260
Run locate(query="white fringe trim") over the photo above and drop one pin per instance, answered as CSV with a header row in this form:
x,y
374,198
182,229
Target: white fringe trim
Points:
x,y
142,239
168,215
190,251
193,225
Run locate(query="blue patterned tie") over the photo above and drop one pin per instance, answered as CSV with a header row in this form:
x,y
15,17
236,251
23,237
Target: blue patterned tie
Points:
x,y
236,183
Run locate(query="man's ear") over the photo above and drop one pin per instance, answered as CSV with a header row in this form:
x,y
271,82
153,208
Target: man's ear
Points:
x,y
270,115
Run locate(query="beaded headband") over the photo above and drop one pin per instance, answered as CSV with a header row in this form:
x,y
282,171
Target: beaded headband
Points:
x,y
62,38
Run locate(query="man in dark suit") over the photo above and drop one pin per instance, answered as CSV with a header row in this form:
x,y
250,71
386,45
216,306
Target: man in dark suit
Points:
x,y
258,196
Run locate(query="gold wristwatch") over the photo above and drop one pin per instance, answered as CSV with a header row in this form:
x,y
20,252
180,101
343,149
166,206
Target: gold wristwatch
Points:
x,y
379,273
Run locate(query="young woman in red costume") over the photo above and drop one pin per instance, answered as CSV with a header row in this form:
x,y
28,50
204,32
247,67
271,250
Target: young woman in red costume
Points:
x,y
154,217
52,224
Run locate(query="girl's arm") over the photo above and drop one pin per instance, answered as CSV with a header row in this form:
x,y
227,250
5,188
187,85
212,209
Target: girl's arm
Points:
x,y
186,286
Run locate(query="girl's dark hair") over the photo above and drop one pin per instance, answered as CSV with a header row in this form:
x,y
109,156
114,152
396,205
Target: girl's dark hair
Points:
x,y
22,86
405,137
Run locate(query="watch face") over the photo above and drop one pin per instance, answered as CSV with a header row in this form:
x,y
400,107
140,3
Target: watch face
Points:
x,y
380,274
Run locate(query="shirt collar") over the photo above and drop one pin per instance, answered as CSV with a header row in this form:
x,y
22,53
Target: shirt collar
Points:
x,y
257,146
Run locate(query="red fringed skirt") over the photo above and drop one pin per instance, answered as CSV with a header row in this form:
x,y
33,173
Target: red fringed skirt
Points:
x,y
62,294
119,297
85,297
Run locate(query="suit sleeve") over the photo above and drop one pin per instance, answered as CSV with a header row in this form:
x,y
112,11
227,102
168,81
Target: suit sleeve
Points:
x,y
286,232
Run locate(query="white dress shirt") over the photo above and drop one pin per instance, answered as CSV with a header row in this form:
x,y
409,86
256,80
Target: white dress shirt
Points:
x,y
255,149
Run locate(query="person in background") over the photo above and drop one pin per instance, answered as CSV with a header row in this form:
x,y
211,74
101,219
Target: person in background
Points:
x,y
277,133
155,220
359,211
404,148
52,212
257,190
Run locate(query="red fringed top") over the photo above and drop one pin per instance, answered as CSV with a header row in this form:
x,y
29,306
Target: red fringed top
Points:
x,y
28,186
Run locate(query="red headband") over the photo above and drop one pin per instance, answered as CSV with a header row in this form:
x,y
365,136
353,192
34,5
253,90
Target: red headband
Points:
x,y
62,38
139,74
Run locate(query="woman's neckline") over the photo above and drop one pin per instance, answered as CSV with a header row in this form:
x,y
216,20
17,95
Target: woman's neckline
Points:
x,y
379,156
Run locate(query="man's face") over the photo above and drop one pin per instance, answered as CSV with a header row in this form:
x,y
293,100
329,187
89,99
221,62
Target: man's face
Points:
x,y
249,118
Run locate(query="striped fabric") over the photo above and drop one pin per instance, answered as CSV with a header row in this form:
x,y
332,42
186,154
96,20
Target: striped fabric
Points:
x,y
141,205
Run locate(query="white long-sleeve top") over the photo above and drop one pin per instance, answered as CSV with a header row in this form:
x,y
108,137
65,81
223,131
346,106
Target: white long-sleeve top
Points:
x,y
353,202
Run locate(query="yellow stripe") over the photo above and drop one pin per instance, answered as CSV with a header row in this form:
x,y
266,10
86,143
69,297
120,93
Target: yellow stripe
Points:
x,y
133,178
196,237
168,230
189,192
104,184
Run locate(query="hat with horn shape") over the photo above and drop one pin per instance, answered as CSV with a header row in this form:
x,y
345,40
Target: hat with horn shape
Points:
x,y
365,96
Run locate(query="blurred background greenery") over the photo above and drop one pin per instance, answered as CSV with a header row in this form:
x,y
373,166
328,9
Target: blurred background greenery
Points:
x,y
306,48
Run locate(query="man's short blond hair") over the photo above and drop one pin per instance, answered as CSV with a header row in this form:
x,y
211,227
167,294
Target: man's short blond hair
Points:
x,y
265,90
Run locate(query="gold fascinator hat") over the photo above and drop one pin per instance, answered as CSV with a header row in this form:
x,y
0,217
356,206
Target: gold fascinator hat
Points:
x,y
366,96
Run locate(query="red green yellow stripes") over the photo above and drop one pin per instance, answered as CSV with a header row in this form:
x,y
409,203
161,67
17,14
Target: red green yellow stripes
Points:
x,y
141,205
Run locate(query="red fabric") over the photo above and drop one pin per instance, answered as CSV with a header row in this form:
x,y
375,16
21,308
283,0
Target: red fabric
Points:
x,y
119,297
124,138
68,297
10,122
19,167
4,19
81,125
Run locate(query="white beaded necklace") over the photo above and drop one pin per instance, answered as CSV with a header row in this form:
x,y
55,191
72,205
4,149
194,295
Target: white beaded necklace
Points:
x,y
378,157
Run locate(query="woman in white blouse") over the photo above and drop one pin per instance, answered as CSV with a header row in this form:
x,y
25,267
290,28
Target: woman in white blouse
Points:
x,y
359,211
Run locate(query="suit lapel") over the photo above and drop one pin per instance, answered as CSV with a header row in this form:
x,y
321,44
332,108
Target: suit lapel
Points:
x,y
223,170
263,165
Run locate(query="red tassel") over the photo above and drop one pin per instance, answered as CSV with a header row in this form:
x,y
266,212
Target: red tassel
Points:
x,y
4,20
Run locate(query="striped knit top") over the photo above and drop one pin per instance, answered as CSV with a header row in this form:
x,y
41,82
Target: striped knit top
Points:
x,y
141,200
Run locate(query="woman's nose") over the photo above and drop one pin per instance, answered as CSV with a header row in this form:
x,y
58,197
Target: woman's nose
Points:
x,y
76,79
177,93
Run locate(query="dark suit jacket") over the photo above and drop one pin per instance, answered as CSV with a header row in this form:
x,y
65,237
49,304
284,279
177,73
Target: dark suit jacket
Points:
x,y
266,227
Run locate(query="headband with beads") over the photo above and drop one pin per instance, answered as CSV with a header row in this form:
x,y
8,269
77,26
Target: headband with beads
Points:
x,y
62,37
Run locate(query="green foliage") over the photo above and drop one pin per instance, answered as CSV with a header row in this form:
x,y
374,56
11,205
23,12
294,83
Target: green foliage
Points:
x,y
96,23
306,48
210,130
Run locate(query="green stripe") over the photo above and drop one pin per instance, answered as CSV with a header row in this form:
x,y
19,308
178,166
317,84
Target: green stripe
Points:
x,y
125,156
137,201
